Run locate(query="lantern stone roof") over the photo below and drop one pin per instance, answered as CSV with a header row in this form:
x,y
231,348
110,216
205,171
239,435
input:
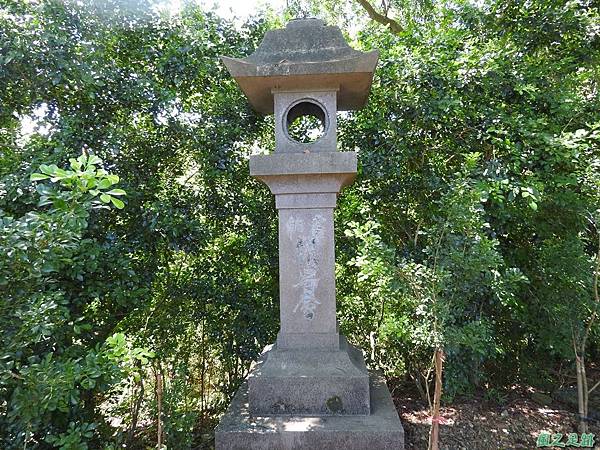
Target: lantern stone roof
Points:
x,y
306,55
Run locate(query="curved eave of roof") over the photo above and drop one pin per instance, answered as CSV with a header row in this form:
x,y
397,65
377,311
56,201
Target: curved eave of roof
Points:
x,y
351,76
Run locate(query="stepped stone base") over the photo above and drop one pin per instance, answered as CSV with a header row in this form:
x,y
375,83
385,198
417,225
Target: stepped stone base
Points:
x,y
309,382
380,430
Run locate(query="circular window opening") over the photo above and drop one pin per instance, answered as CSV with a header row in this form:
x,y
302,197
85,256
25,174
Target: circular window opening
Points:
x,y
305,122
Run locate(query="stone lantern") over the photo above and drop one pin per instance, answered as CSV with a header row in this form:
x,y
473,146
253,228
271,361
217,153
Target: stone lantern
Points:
x,y
311,388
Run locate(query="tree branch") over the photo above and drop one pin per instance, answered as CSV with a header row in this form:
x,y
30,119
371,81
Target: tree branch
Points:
x,y
395,27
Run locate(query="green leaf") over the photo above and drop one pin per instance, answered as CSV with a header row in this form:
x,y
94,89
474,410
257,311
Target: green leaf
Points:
x,y
75,164
93,159
44,201
105,184
48,170
105,198
38,176
116,192
60,174
43,189
118,203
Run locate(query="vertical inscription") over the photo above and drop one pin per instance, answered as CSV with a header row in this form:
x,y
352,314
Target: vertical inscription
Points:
x,y
307,240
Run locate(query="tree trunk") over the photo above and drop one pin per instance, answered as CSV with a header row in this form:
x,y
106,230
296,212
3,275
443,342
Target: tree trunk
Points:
x,y
581,393
579,347
136,411
435,419
159,396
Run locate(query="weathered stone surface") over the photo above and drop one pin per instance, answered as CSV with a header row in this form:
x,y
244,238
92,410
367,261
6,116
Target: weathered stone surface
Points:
x,y
381,430
305,188
324,102
303,42
306,55
310,382
306,273
343,163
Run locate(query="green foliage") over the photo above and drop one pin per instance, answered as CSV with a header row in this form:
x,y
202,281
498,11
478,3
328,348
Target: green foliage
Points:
x,y
84,184
479,153
53,363
188,269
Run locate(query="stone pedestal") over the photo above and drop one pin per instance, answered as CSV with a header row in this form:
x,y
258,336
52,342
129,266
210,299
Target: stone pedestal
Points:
x,y
381,429
308,382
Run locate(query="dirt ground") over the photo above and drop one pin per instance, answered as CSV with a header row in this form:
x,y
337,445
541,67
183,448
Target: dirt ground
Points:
x,y
476,424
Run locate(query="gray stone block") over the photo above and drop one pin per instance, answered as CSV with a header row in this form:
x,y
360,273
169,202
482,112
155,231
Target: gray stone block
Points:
x,y
317,341
323,102
310,382
320,165
381,430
